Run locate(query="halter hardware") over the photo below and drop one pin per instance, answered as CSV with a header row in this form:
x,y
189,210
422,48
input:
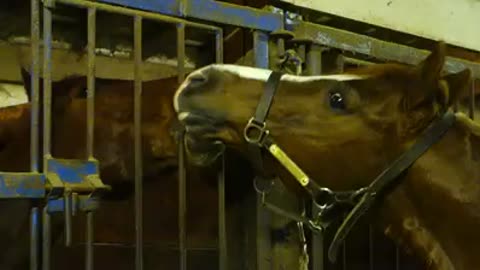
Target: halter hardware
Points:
x,y
361,200
260,127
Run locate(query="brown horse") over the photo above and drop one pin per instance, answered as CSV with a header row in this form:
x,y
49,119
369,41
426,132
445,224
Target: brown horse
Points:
x,y
114,150
343,130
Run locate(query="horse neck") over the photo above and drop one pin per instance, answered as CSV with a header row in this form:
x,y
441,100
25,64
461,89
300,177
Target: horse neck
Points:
x,y
436,208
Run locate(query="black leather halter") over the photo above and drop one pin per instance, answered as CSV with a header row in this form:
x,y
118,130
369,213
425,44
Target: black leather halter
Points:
x,y
323,197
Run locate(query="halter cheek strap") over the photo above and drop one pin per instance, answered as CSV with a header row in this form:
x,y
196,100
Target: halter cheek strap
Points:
x,y
325,198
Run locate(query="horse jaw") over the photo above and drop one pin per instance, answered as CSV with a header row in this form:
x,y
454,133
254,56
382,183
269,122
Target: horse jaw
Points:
x,y
202,153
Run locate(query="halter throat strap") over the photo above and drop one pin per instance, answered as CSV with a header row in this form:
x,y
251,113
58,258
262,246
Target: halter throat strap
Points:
x,y
389,176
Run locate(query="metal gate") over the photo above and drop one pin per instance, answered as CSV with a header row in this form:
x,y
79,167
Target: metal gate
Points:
x,y
70,186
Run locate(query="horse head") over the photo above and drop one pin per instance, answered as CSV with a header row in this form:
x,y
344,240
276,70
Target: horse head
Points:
x,y
345,130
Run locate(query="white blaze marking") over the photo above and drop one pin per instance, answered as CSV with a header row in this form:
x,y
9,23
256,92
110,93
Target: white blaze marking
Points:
x,y
182,116
261,74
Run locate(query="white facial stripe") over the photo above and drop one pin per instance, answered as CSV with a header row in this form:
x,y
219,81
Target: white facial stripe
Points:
x,y
263,74
183,115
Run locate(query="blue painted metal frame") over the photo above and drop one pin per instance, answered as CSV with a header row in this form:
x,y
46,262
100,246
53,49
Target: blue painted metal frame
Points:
x,y
22,185
210,10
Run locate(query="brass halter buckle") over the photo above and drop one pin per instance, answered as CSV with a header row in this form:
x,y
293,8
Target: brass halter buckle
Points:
x,y
253,125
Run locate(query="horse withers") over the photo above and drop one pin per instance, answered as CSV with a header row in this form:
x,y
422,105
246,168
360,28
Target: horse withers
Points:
x,y
344,131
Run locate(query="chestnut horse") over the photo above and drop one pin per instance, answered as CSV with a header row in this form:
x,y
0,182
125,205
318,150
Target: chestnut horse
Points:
x,y
343,130
114,150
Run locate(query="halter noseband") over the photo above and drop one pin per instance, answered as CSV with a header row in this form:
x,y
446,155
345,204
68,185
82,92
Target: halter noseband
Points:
x,y
324,198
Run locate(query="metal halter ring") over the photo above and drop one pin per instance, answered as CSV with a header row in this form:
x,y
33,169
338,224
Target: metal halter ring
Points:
x,y
254,125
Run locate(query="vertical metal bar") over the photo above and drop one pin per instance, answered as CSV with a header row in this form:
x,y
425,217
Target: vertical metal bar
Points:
x,y
35,84
370,248
471,109
34,123
222,226
47,89
67,198
91,43
219,46
182,189
91,23
138,143
47,83
397,258
34,224
344,251
314,67
46,238
263,219
89,244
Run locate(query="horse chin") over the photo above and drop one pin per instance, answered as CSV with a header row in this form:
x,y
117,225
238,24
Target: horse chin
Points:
x,y
203,152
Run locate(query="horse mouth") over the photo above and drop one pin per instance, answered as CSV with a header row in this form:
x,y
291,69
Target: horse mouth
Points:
x,y
202,147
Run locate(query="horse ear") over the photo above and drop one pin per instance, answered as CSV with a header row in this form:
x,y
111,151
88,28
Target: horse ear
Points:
x,y
431,67
458,84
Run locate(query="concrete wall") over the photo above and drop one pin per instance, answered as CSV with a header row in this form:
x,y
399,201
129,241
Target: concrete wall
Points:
x,y
455,21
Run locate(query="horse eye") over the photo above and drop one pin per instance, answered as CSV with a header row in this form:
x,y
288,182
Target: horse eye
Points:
x,y
337,101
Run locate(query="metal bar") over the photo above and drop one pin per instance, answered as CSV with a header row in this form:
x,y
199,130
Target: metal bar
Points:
x,y
91,24
397,258
68,218
471,109
138,143
91,43
182,196
227,13
387,51
263,218
34,235
222,226
214,11
358,62
370,248
47,83
219,46
46,239
133,12
89,243
35,84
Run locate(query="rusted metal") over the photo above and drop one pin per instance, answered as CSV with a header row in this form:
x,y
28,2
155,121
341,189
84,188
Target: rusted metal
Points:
x,y
137,37
382,50
182,188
